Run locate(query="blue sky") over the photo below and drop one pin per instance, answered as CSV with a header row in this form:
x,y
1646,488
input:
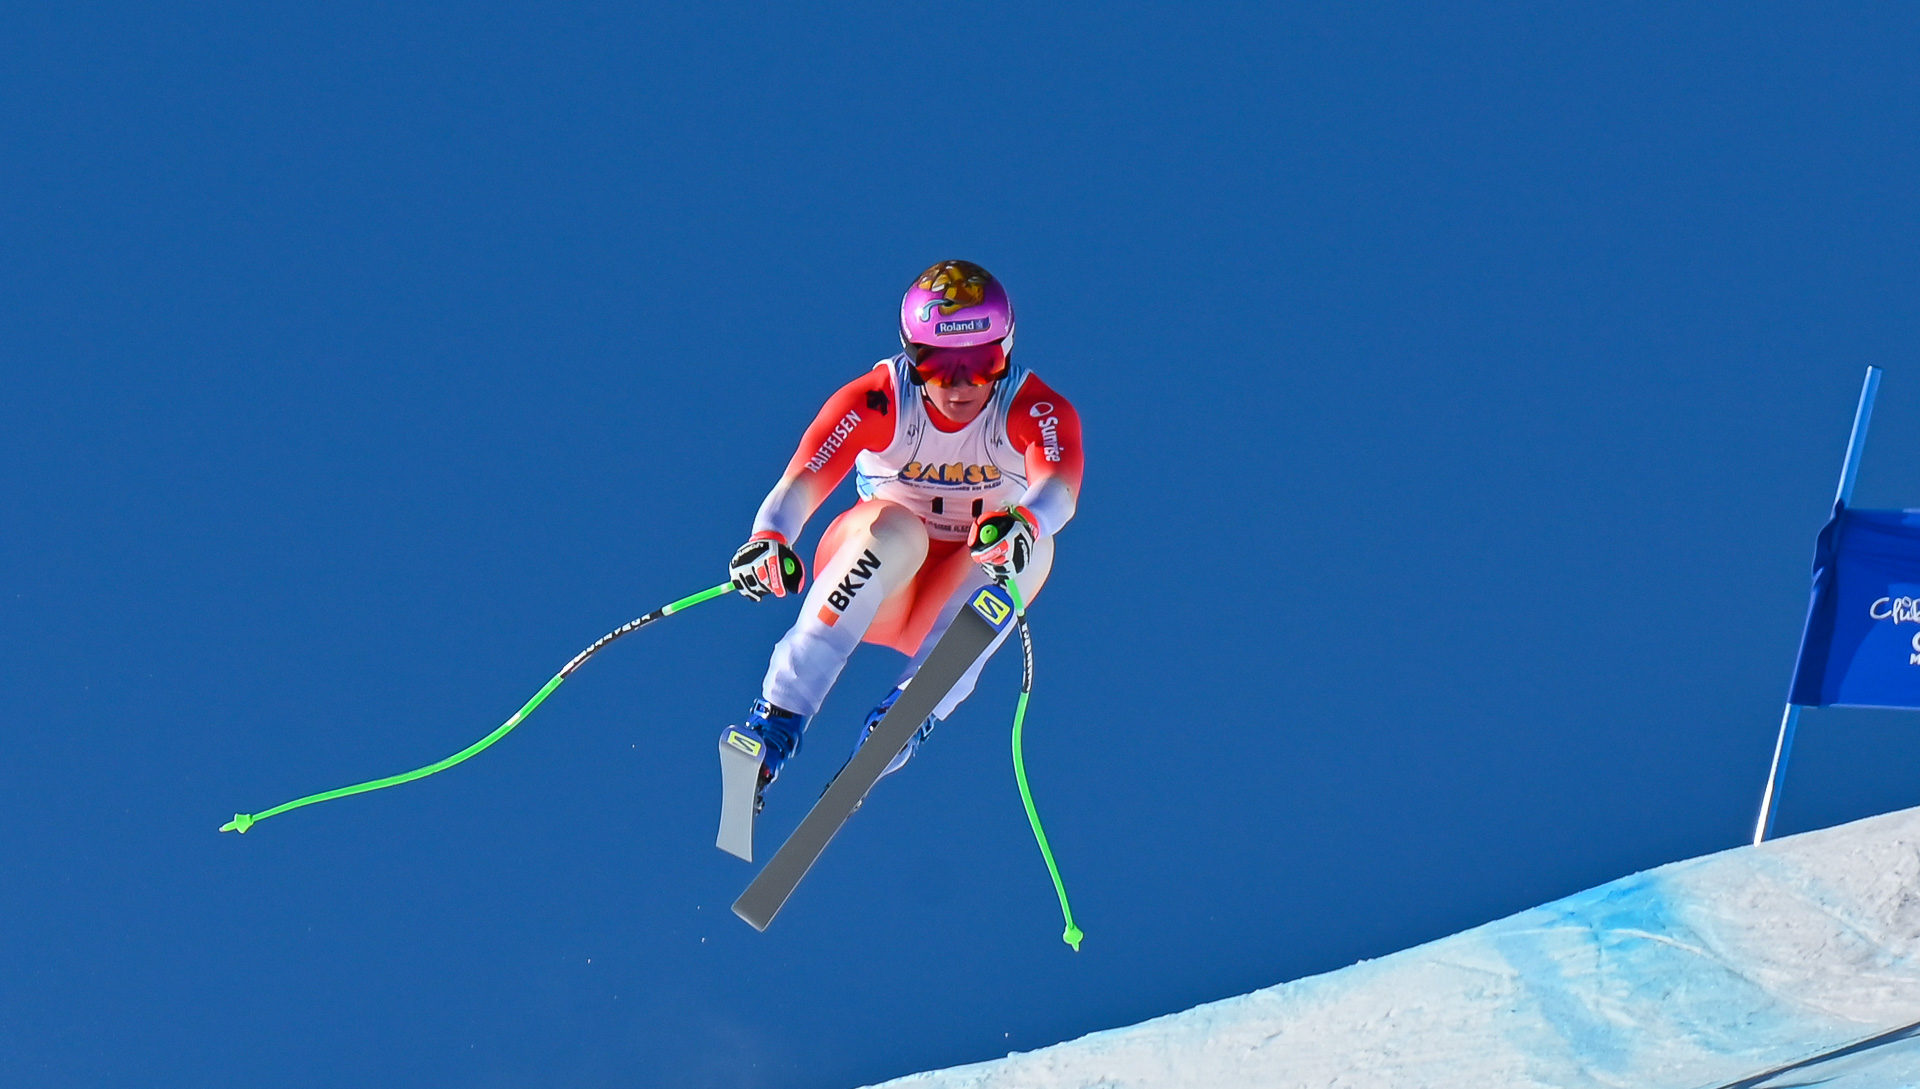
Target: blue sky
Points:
x,y
1464,388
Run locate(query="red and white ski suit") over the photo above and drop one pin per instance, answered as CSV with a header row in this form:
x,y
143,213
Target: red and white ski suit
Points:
x,y
894,569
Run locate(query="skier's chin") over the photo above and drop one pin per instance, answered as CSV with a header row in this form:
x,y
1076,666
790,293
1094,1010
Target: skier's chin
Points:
x,y
961,405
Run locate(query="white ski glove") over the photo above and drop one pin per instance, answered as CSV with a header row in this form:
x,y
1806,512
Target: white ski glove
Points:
x,y
1002,543
765,567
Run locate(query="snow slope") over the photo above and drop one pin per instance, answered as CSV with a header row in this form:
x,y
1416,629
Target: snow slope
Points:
x,y
1793,963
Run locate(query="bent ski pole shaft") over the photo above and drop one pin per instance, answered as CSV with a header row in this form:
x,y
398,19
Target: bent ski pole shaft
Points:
x,y
243,821
1072,935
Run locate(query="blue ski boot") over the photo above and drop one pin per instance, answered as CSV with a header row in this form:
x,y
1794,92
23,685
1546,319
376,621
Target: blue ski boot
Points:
x,y
913,744
778,730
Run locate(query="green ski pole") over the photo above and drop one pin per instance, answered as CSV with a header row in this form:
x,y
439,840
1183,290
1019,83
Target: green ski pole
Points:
x,y
243,821
1072,935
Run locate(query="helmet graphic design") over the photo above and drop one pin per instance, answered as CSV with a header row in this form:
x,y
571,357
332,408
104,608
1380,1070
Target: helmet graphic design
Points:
x,y
956,304
959,283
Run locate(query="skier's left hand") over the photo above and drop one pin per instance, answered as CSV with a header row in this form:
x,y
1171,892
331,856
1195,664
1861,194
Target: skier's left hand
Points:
x,y
1002,542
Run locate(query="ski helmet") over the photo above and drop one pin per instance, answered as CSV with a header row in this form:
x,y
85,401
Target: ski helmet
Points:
x,y
955,304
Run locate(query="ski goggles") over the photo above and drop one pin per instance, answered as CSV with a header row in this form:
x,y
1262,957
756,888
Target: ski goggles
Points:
x,y
981,365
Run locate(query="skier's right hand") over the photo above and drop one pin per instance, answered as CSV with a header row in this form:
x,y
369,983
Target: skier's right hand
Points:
x,y
764,567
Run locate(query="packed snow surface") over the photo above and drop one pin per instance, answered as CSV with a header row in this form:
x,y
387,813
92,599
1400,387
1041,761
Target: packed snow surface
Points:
x,y
1794,963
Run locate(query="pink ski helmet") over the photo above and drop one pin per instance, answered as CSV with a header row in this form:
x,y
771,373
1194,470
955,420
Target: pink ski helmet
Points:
x,y
955,304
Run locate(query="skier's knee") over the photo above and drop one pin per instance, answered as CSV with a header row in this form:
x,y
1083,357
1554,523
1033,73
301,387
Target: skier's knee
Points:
x,y
899,531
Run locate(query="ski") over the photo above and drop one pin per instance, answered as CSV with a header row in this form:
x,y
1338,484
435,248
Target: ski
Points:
x,y
987,614
740,754
1799,1066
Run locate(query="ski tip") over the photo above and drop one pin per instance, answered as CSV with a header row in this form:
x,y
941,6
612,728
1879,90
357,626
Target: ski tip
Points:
x,y
757,924
240,823
1072,937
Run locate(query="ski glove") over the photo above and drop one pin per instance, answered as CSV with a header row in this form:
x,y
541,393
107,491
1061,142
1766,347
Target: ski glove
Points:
x,y
766,567
1002,543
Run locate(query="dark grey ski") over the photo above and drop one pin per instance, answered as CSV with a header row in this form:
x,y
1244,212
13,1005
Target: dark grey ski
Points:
x,y
1802,1067
972,632
739,783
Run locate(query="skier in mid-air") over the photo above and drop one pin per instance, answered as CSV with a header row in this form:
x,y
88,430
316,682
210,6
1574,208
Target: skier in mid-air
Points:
x,y
966,464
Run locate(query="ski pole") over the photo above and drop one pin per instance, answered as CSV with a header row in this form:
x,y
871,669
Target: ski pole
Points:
x,y
243,821
1072,935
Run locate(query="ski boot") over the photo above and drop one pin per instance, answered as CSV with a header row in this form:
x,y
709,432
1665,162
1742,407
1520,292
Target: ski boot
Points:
x,y
750,758
913,744
900,759
779,732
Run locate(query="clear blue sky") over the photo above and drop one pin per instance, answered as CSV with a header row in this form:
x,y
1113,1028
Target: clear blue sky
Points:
x,y
1463,389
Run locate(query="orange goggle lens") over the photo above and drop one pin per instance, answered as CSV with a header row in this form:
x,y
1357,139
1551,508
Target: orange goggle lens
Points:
x,y
977,366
